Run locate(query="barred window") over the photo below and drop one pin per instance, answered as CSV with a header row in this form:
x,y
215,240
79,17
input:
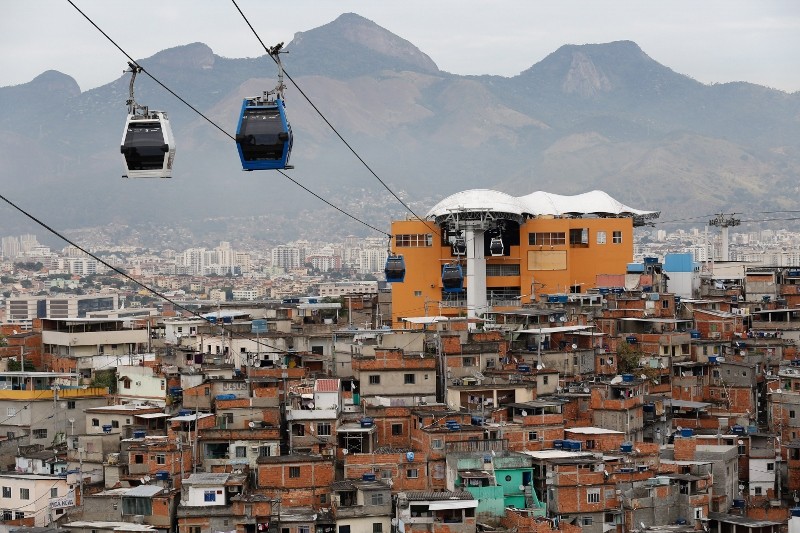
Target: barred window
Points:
x,y
502,270
414,240
546,239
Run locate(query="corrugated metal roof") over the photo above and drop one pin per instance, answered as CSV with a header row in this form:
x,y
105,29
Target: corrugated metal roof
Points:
x,y
144,491
432,495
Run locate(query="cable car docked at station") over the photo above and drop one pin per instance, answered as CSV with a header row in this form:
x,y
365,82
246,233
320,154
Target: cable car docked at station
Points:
x,y
263,134
452,278
147,146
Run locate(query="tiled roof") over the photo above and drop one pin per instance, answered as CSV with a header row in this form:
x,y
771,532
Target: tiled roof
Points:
x,y
326,385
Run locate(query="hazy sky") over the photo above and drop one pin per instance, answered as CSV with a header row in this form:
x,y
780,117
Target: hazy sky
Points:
x,y
710,40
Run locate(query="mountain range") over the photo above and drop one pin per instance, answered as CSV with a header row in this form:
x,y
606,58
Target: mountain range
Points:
x,y
593,116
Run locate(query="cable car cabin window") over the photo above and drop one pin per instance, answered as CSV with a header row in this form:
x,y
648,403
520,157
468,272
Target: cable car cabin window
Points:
x,y
144,146
262,135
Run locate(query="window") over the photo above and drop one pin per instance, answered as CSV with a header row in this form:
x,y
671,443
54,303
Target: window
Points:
x,y
210,496
24,494
593,496
586,521
770,466
757,491
437,444
95,422
19,515
417,240
409,379
11,411
397,429
71,404
377,527
54,492
616,237
8,515
417,293
590,444
468,361
544,380
6,492
324,429
601,237
532,435
376,498
303,529
294,471
161,459
546,239
412,473
323,499
375,379
241,451
579,237
126,383
791,413
115,423
40,433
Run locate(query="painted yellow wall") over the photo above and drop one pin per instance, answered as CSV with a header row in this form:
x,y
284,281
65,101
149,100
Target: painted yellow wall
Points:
x,y
569,265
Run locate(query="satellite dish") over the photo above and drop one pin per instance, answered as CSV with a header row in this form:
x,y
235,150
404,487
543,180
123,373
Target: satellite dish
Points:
x,y
562,318
409,456
679,428
539,366
524,413
345,451
574,346
739,442
642,524
741,487
251,424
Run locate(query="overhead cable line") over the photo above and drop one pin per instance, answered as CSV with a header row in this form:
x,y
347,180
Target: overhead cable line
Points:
x,y
325,119
190,106
134,280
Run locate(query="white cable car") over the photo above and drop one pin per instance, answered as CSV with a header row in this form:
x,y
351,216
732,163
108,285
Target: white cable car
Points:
x,y
147,147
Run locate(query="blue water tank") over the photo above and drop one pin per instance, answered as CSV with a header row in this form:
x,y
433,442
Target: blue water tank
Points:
x,y
184,412
738,504
752,429
739,430
712,358
558,443
627,378
367,422
106,428
626,447
454,427
694,334
368,477
687,432
523,368
226,396
795,511
139,434
630,339
649,408
162,475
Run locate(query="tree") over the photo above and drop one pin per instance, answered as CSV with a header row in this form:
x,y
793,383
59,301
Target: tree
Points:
x,y
628,358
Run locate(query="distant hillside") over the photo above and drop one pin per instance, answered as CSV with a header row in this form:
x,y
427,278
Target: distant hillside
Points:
x,y
594,116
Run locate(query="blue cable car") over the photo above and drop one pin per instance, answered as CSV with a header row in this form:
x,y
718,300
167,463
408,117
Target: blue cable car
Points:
x,y
147,146
395,269
452,278
263,134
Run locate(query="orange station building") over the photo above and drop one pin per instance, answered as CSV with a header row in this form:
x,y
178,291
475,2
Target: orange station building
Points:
x,y
547,244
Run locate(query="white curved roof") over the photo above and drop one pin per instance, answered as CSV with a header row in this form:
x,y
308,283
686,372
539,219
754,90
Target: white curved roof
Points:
x,y
535,204
478,200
